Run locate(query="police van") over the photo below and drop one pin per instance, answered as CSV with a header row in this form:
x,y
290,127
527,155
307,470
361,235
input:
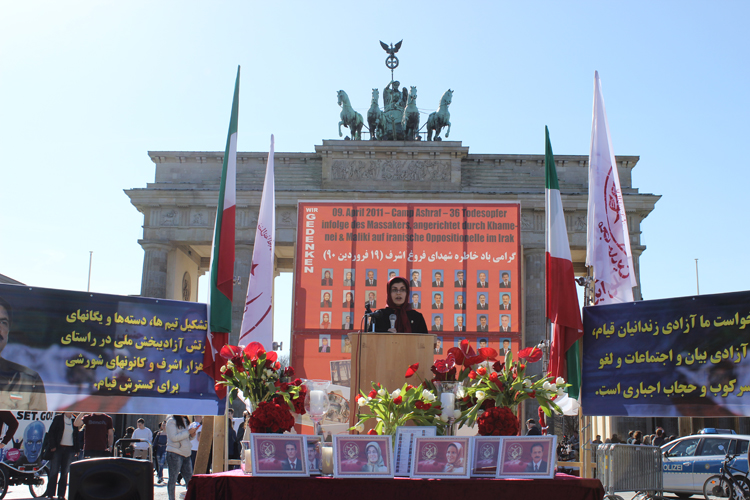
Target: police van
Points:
x,y
688,461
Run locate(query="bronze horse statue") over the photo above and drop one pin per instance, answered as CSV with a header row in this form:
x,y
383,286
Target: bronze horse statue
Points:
x,y
375,119
410,121
349,118
440,118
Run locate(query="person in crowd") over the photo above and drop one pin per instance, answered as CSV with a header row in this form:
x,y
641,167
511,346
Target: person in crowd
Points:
x,y
197,424
532,429
615,439
407,319
144,433
98,435
63,444
374,457
630,437
232,448
659,438
454,461
637,437
160,450
11,426
127,452
178,451
244,431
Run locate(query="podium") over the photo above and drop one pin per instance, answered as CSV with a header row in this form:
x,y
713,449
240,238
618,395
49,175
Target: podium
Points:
x,y
384,358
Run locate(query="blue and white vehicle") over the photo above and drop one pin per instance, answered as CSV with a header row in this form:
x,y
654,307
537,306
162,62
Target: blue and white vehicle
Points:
x,y
688,461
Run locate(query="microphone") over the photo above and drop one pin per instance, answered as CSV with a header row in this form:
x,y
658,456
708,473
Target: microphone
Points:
x,y
367,308
392,317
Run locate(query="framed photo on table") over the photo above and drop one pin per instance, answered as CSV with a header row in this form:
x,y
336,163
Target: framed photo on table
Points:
x,y
527,457
404,446
314,454
279,455
484,456
362,456
441,457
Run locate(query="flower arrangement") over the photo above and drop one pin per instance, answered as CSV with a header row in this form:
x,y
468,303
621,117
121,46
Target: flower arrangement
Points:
x,y
259,378
492,383
391,410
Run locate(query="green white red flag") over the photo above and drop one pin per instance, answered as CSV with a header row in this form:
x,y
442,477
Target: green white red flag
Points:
x,y
222,253
561,295
608,241
257,320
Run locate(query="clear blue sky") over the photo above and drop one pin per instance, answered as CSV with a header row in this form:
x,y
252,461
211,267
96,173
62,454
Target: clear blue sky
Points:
x,y
88,87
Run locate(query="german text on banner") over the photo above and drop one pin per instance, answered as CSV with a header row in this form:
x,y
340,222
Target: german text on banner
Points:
x,y
222,251
75,351
681,357
608,241
257,320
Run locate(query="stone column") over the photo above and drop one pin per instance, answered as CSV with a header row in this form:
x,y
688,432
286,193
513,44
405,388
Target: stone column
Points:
x,y
535,330
637,251
154,278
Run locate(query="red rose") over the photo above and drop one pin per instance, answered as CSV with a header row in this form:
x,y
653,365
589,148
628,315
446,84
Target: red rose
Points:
x,y
398,400
472,374
493,377
532,394
372,394
284,387
481,371
412,370
289,371
372,432
498,366
297,382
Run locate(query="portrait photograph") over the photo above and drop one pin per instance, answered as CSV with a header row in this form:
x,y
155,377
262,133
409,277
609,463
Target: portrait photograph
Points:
x,y
482,301
341,372
459,278
483,342
527,457
325,320
279,455
346,342
459,301
437,300
392,273
325,299
346,324
504,279
349,277
459,323
438,278
327,278
438,345
362,456
484,456
505,346
312,448
415,278
347,297
482,279
483,323
324,342
371,277
457,341
437,323
505,303
416,301
445,456
505,323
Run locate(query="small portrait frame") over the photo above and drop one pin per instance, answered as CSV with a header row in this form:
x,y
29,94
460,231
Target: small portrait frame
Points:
x,y
484,456
272,455
441,457
313,454
351,452
518,454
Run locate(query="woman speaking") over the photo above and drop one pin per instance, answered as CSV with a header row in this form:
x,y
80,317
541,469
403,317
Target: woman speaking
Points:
x,y
398,316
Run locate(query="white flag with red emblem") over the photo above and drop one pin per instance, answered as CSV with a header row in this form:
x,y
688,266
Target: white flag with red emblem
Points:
x,y
257,320
608,240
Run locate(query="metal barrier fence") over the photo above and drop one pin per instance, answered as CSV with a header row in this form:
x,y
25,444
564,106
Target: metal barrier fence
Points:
x,y
627,467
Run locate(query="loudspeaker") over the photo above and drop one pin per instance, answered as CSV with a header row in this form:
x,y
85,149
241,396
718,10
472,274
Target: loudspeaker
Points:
x,y
111,479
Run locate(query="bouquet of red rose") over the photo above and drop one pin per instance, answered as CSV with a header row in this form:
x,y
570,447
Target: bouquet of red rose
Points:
x,y
271,416
498,422
258,377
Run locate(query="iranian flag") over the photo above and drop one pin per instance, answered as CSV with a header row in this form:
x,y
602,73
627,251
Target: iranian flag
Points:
x,y
222,254
562,297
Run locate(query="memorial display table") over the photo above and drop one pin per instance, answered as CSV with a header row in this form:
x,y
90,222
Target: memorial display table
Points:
x,y
234,485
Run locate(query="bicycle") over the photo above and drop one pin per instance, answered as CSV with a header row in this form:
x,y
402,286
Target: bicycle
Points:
x,y
725,485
